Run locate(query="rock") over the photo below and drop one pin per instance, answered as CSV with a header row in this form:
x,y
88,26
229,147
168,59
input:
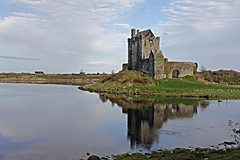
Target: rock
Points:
x,y
93,157
129,84
129,98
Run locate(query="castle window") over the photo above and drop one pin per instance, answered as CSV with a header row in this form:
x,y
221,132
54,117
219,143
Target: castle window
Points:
x,y
150,43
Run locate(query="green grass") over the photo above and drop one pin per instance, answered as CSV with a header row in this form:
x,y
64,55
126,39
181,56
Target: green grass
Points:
x,y
191,78
176,84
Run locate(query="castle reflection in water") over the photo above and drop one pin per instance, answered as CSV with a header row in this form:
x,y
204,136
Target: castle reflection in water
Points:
x,y
146,116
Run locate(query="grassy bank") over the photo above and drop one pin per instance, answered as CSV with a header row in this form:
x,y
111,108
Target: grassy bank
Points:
x,y
137,83
185,154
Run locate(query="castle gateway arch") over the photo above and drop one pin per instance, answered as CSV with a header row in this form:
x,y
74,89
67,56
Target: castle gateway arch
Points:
x,y
175,73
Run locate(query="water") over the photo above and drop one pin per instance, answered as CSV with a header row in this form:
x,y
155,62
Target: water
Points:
x,y
62,122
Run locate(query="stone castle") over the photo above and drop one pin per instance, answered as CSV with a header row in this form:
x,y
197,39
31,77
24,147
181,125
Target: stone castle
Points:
x,y
144,55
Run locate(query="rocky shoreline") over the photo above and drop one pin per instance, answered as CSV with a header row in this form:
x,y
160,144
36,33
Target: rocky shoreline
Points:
x,y
178,153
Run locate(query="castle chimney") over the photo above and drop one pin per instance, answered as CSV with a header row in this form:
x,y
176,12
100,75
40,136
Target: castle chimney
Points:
x,y
137,31
133,32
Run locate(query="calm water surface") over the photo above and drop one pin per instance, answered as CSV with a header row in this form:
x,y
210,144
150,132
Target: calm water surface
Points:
x,y
62,122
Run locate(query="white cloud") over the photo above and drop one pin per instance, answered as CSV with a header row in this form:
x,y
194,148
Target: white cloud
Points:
x,y
122,24
20,58
202,15
99,63
204,31
64,32
30,2
24,14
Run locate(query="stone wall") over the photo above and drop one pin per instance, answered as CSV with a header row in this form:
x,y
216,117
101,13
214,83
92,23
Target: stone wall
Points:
x,y
130,66
145,66
134,53
159,65
149,43
182,68
151,65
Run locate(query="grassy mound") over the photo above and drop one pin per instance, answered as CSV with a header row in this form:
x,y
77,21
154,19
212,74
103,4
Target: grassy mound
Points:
x,y
123,78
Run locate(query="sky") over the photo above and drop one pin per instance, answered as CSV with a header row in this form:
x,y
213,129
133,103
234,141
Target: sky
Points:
x,y
59,36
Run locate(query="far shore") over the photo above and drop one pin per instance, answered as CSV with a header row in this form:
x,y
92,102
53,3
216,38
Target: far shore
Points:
x,y
64,79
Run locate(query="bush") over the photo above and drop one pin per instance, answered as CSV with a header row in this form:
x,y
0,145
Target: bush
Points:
x,y
230,76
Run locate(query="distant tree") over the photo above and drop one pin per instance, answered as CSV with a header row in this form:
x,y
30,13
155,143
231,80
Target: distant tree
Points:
x,y
82,72
203,69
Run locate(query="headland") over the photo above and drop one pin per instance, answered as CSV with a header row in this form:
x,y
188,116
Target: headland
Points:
x,y
136,83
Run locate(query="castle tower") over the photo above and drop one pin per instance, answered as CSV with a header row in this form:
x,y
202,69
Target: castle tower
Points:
x,y
140,46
